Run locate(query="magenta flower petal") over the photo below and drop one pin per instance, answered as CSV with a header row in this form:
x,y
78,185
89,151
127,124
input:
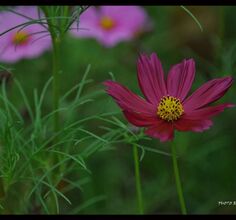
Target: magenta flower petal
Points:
x,y
185,124
180,79
140,120
151,78
163,131
129,101
207,93
207,112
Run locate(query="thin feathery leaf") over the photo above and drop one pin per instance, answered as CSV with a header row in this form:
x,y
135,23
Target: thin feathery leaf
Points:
x,y
193,17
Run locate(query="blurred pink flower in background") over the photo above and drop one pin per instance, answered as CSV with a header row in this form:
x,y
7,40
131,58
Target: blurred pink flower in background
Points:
x,y
28,42
112,24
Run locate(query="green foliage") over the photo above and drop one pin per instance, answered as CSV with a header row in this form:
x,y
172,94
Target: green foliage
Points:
x,y
86,167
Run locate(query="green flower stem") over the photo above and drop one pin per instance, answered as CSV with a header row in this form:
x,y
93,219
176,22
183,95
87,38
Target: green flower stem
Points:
x,y
55,30
177,180
65,14
56,80
56,43
137,180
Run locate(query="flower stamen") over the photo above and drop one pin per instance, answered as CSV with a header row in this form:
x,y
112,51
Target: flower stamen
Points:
x,y
20,38
107,23
170,108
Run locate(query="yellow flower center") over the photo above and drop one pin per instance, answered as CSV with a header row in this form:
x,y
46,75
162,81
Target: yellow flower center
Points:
x,y
170,108
107,23
20,38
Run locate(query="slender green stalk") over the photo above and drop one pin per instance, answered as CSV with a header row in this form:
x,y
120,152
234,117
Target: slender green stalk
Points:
x,y
65,14
137,180
177,180
56,80
56,38
56,42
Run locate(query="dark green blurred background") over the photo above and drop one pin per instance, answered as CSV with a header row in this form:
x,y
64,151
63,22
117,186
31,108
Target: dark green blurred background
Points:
x,y
207,160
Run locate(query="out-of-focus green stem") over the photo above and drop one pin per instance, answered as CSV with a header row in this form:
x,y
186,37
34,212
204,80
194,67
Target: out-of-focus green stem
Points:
x,y
177,180
56,37
65,14
56,43
138,180
56,80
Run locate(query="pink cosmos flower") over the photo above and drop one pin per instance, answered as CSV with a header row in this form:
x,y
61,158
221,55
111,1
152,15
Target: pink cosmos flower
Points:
x,y
111,24
28,42
166,106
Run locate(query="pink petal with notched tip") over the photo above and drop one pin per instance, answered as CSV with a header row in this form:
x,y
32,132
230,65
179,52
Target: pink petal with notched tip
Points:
x,y
162,130
207,93
127,100
141,120
151,78
207,112
180,79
